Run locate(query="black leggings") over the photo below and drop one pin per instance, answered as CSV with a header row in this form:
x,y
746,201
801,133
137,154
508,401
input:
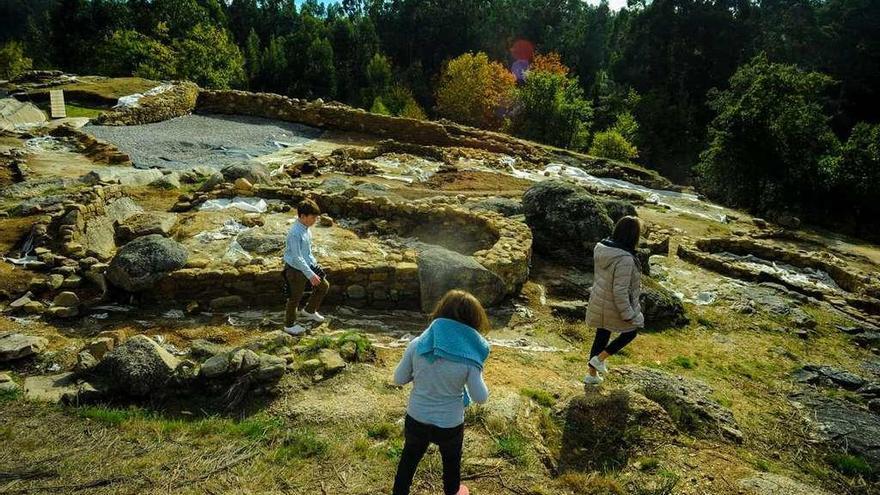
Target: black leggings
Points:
x,y
600,343
417,438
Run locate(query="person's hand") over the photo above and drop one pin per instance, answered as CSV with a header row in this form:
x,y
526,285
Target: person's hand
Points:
x,y
315,280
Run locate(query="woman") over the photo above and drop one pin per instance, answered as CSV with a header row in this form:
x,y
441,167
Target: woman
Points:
x,y
445,364
614,298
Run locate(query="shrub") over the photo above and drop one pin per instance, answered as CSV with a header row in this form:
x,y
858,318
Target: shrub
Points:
x,y
12,60
611,144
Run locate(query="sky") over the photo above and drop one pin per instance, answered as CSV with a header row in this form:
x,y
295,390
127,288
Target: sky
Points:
x,y
613,4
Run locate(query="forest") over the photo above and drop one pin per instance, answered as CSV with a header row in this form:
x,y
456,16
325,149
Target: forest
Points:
x,y
770,105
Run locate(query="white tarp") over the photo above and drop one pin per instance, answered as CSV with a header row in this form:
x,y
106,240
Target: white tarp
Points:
x,y
250,205
133,101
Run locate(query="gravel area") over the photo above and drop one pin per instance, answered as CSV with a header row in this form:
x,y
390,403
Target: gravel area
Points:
x,y
213,140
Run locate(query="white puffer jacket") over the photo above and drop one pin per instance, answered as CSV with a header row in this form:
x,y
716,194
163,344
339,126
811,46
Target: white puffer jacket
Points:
x,y
614,298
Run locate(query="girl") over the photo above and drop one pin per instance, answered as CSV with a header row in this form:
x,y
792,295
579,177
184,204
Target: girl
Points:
x,y
614,298
445,364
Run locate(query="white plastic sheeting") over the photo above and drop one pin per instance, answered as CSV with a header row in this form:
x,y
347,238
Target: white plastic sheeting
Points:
x,y
250,205
133,101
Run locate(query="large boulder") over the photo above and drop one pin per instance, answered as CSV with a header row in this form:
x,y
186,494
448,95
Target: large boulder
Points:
x,y
602,430
505,206
565,218
260,241
145,260
660,306
843,425
776,484
253,172
142,224
441,270
16,346
688,402
139,367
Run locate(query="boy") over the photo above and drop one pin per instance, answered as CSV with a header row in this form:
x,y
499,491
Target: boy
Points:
x,y
301,268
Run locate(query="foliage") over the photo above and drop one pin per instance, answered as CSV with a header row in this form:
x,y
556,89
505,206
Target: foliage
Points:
x,y
857,177
551,108
474,90
770,143
12,60
611,144
550,62
379,107
127,52
208,57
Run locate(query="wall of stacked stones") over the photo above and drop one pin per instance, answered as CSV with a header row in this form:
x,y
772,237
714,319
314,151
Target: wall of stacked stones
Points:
x,y
177,101
393,283
64,230
342,117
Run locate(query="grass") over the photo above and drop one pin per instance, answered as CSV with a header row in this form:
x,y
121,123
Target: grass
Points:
x,y
648,463
685,362
511,446
10,395
300,444
107,90
588,484
850,465
74,111
541,397
383,430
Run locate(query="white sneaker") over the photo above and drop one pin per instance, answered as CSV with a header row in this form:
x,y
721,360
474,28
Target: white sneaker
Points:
x,y
593,380
295,330
316,317
598,365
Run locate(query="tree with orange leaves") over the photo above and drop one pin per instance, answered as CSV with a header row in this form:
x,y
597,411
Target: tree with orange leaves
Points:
x,y
476,91
550,62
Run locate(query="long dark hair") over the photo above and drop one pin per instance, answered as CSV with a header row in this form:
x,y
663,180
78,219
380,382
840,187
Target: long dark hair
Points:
x,y
626,233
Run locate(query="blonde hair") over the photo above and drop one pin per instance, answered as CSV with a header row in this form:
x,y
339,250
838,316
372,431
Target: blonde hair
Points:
x,y
462,307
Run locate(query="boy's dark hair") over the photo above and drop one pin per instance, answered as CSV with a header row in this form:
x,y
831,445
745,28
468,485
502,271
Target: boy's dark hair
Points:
x,y
307,207
627,232
462,307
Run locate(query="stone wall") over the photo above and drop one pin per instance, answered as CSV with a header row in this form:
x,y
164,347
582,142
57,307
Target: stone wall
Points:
x,y
175,102
393,283
98,150
342,117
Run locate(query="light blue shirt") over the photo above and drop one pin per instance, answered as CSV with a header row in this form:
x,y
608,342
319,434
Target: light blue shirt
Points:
x,y
437,396
298,252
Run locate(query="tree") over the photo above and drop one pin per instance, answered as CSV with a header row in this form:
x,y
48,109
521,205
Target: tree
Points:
x,y
127,53
857,177
770,146
378,76
273,67
551,63
319,73
12,60
475,91
252,54
209,57
611,144
551,108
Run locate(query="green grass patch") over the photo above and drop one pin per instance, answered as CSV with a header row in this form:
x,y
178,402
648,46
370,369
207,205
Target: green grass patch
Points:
x,y
314,346
383,431
300,444
511,446
10,395
649,464
74,111
850,465
685,362
108,415
541,397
